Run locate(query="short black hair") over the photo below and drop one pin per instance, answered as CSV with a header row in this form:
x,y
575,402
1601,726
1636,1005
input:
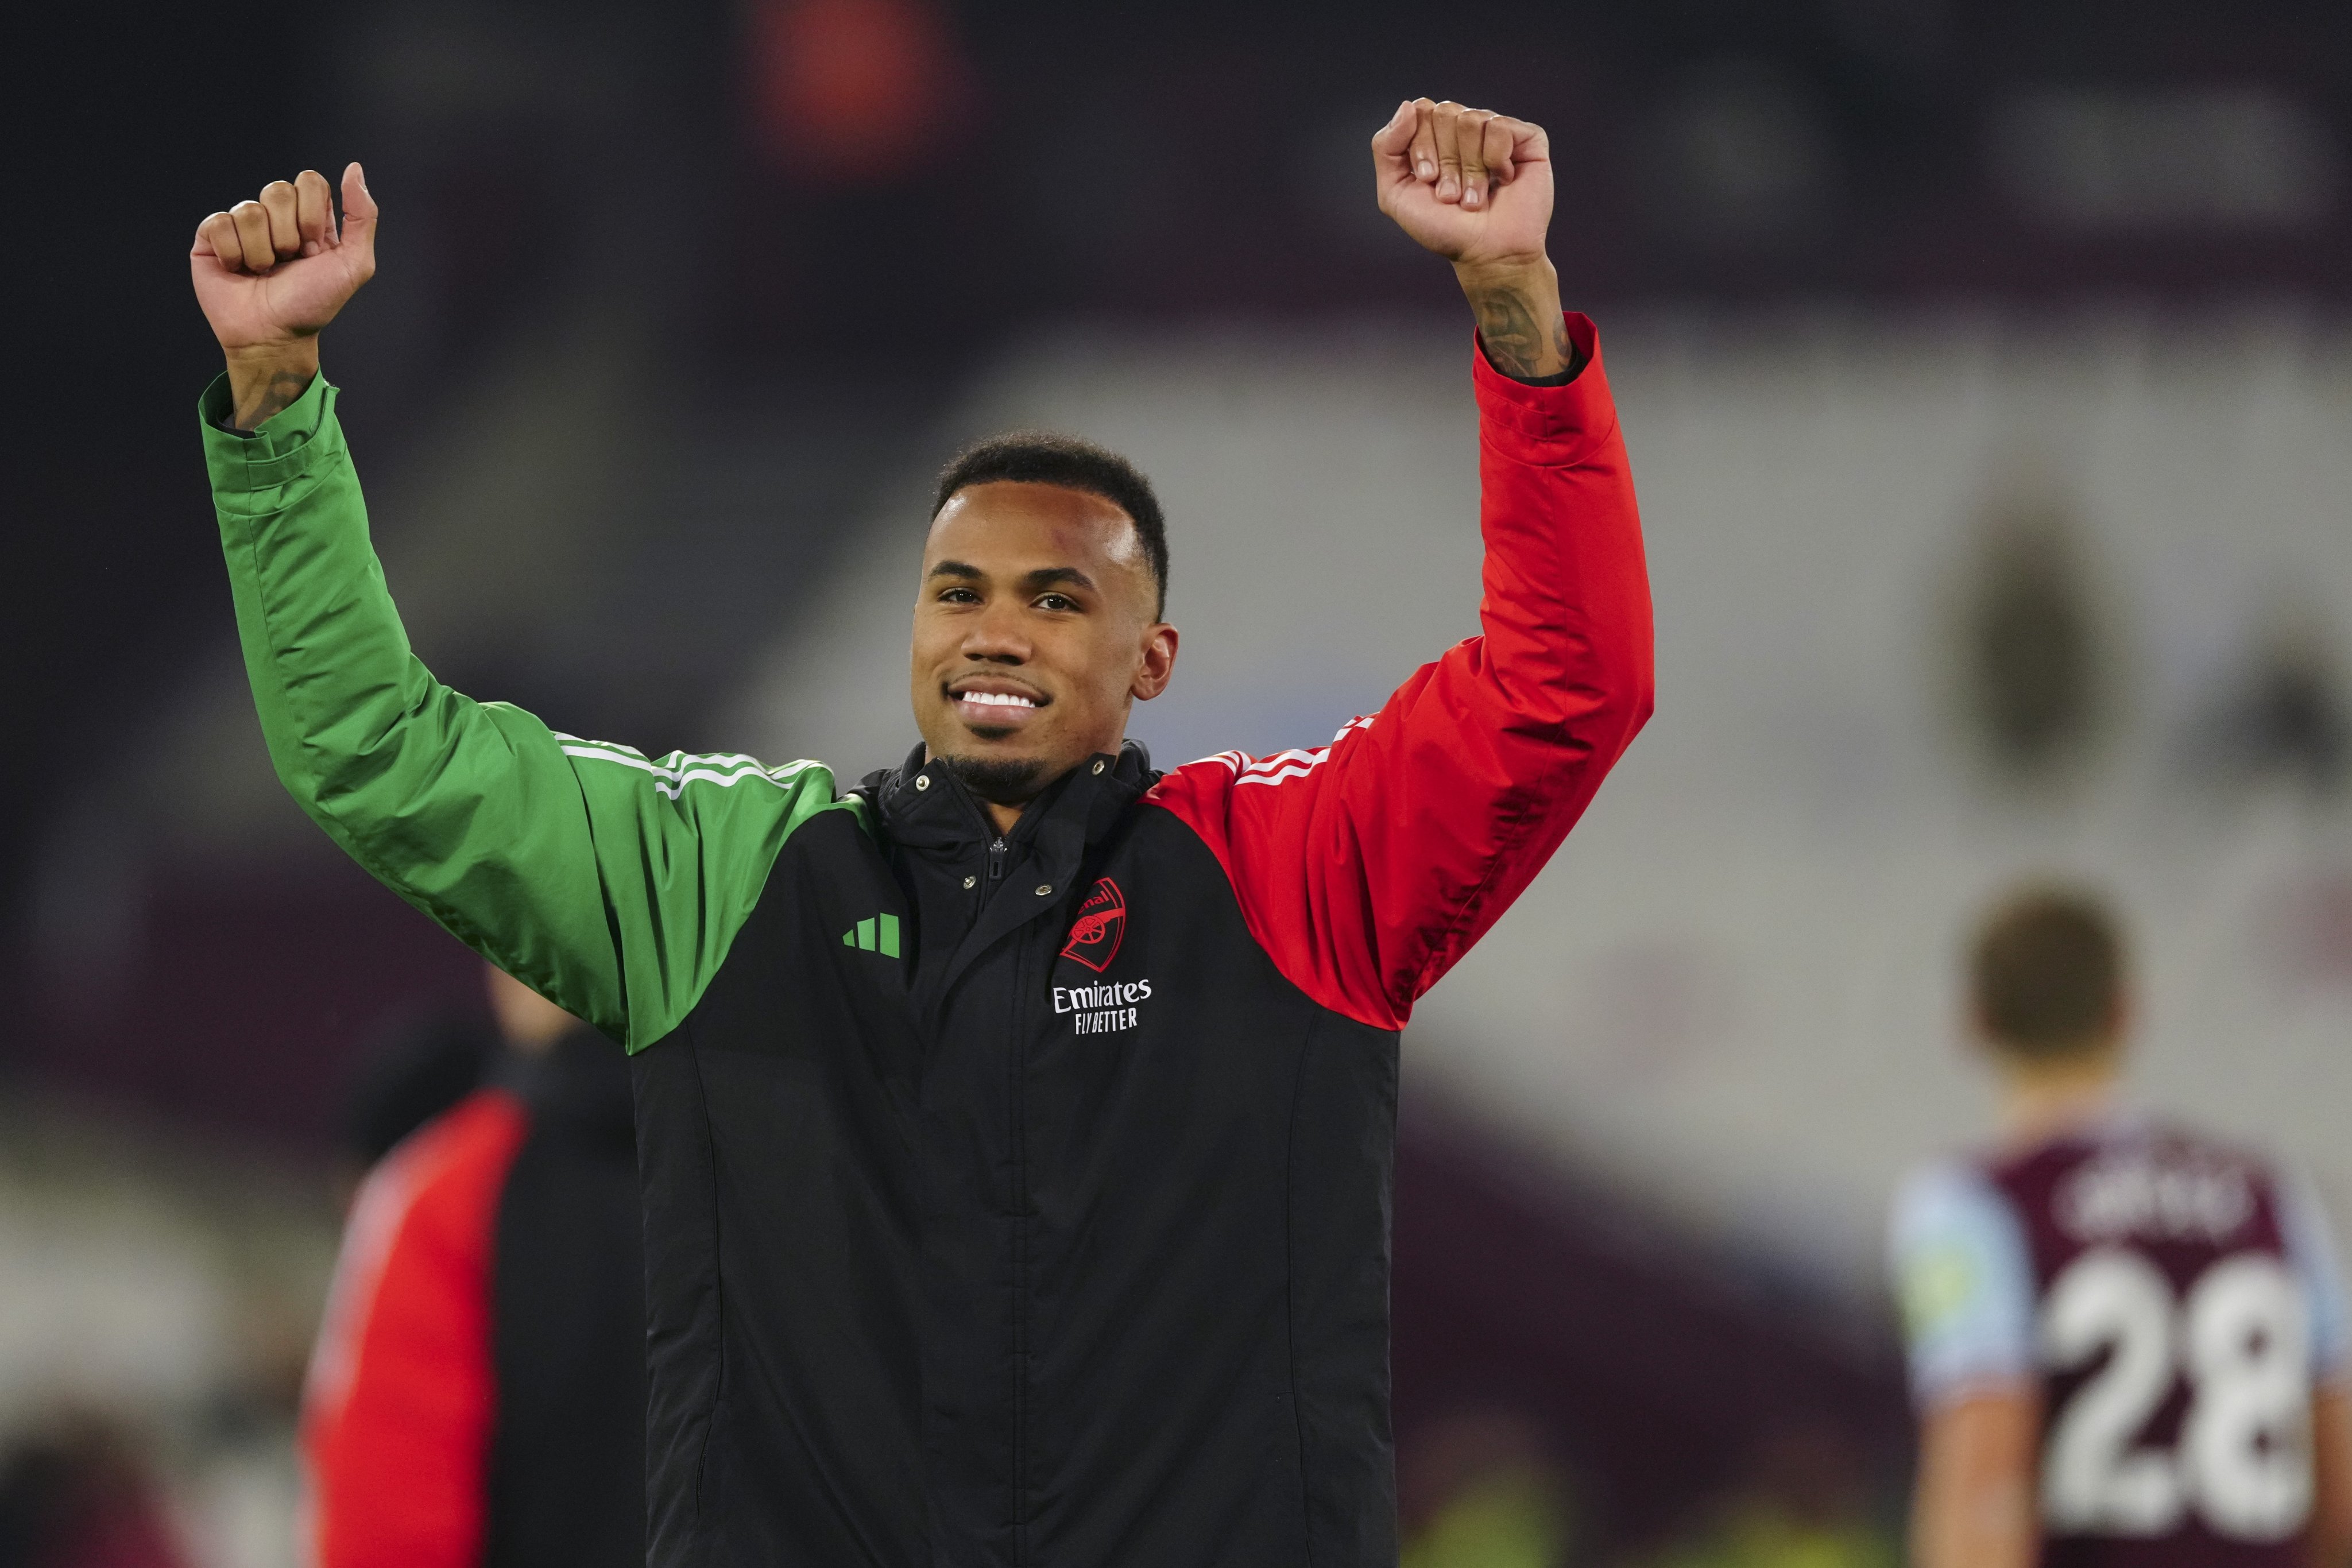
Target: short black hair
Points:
x,y
2047,973
1048,457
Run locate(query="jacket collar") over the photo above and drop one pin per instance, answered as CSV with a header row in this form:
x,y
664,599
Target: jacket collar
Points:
x,y
925,808
923,804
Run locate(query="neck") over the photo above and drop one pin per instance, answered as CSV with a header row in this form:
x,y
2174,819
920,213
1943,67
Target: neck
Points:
x,y
2043,1099
1002,817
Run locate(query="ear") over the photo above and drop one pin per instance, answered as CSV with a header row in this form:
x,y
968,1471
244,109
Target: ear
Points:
x,y
1156,664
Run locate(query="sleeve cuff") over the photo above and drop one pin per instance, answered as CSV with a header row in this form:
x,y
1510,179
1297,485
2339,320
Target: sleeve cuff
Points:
x,y
282,448
1550,426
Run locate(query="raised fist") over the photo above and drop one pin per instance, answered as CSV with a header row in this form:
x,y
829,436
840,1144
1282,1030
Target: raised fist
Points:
x,y
1473,185
272,272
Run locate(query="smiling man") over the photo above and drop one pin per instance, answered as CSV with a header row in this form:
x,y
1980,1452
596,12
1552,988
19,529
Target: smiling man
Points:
x,y
1067,541
1014,1128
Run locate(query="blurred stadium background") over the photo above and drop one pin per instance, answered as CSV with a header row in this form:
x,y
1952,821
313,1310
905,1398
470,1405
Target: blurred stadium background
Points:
x,y
1989,383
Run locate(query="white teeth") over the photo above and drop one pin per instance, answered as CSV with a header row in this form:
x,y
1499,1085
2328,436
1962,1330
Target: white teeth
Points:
x,y
995,699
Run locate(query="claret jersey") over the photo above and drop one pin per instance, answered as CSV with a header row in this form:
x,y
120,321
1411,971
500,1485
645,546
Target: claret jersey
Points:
x,y
2177,1300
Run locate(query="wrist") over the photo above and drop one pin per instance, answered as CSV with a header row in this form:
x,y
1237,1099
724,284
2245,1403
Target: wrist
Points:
x,y
1520,326
264,378
1507,274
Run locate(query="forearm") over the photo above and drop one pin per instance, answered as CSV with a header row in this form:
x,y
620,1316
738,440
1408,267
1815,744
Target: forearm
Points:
x,y
1520,318
323,645
2328,1538
264,380
1975,1502
1987,1531
1565,606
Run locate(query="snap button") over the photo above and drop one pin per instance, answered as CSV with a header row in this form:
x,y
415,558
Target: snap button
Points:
x,y
972,881
1098,764
1045,889
922,780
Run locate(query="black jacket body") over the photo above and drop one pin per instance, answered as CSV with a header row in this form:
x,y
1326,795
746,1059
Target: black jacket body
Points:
x,y
1024,1202
937,1279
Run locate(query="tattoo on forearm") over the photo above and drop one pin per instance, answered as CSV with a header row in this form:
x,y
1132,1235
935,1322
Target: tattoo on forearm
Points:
x,y
275,396
1515,340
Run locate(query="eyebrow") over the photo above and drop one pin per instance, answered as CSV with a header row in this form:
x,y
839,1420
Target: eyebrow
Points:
x,y
1044,577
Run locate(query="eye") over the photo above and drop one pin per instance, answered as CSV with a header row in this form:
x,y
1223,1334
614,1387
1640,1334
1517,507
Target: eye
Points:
x,y
1057,602
957,596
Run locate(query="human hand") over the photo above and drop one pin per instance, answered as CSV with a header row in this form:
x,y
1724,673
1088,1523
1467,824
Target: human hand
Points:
x,y
1475,187
1470,184
270,273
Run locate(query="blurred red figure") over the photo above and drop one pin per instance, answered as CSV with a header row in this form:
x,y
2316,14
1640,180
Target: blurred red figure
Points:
x,y
476,1393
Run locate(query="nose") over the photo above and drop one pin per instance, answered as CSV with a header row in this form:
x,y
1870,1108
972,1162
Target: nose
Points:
x,y
995,637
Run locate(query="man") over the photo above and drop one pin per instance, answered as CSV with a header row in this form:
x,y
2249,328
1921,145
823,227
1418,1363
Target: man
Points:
x,y
476,1396
1015,1128
405,1076
2127,1340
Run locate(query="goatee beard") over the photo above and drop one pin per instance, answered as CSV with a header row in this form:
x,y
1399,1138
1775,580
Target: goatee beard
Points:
x,y
1000,780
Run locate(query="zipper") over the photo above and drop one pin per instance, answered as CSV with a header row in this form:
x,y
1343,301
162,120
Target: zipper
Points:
x,y
996,861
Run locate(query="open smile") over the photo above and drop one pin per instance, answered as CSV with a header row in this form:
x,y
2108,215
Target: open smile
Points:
x,y
995,706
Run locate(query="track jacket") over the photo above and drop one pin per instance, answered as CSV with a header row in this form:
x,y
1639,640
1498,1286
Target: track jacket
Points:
x,y
1008,1201
476,1396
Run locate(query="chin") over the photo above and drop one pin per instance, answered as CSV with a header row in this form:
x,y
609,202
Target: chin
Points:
x,y
1006,780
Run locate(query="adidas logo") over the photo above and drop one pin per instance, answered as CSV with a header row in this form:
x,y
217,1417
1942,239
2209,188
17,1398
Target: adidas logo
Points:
x,y
877,933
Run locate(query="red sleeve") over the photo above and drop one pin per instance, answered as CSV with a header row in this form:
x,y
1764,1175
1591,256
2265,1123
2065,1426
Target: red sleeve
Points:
x,y
1366,868
396,1414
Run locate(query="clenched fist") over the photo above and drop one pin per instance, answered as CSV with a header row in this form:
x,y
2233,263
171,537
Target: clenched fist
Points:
x,y
1475,187
270,273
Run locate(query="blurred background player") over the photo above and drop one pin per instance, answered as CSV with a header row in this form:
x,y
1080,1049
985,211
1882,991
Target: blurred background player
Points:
x,y
409,1073
2127,1339
477,1393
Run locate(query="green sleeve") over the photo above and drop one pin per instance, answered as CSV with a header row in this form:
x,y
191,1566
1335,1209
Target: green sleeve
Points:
x,y
609,882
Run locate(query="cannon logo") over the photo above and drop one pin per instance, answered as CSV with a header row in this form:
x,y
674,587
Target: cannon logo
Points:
x,y
1102,921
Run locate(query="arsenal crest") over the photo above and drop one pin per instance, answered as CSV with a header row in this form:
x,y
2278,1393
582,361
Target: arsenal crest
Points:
x,y
1102,921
